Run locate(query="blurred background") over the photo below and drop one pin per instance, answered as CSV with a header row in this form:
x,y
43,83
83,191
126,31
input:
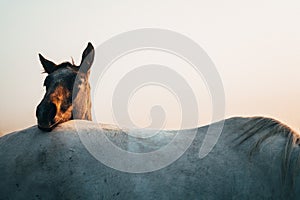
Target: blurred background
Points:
x,y
255,46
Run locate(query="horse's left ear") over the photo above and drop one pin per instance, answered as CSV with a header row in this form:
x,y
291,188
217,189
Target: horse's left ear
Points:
x,y
47,64
87,58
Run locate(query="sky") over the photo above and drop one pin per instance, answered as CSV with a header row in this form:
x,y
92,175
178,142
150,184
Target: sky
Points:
x,y
255,46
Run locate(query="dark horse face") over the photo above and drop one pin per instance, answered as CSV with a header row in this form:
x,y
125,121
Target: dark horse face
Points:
x,y
67,91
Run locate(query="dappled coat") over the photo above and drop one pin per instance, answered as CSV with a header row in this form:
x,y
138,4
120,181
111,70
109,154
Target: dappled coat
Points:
x,y
255,158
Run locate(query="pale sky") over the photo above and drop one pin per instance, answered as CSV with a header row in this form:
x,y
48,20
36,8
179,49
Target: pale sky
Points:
x,y
255,46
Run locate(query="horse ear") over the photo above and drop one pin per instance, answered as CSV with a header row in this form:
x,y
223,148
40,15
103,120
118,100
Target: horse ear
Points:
x,y
48,65
87,58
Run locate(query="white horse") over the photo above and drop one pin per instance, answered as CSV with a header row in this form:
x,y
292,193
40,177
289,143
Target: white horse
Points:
x,y
255,158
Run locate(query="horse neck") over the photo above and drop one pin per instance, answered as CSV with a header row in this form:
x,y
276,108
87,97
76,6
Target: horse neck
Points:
x,y
82,103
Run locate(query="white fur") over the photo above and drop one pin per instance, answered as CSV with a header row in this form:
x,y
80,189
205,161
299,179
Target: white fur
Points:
x,y
55,165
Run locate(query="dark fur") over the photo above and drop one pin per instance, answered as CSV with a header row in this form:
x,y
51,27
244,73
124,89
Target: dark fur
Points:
x,y
67,91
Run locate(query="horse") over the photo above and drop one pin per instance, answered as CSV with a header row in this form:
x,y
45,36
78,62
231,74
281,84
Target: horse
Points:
x,y
67,94
254,158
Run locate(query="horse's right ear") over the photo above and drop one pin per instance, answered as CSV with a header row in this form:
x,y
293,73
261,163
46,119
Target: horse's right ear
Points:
x,y
48,65
87,58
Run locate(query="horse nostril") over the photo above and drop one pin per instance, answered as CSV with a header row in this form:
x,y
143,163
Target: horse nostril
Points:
x,y
45,112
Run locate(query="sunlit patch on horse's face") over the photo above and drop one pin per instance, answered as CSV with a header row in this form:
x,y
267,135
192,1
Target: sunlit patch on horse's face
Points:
x,y
64,83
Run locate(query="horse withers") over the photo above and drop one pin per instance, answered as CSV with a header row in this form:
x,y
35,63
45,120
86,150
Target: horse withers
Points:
x,y
67,94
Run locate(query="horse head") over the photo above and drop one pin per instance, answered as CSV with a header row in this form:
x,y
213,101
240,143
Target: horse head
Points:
x,y
67,94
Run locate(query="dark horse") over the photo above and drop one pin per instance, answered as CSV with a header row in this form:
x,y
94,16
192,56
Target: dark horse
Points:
x,y
67,91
